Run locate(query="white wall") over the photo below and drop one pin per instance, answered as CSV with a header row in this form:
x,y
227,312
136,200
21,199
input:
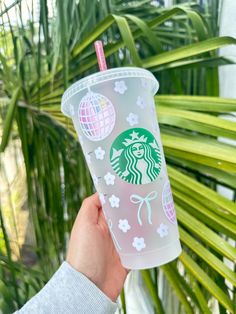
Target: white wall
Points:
x,y
227,75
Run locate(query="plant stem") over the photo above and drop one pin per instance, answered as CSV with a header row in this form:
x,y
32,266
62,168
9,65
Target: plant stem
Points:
x,y
152,290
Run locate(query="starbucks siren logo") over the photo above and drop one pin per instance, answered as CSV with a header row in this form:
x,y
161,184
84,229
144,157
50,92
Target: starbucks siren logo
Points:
x,y
135,156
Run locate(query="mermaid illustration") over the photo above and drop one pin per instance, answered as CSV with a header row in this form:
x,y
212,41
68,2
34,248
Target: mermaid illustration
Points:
x,y
139,160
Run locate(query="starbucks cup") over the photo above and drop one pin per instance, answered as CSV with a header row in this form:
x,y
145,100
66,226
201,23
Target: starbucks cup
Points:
x,y
114,114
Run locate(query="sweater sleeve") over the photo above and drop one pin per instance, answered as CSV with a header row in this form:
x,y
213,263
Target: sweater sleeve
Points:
x,y
69,292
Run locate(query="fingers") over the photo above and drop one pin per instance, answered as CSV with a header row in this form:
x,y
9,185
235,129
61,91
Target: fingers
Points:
x,y
101,217
89,210
102,221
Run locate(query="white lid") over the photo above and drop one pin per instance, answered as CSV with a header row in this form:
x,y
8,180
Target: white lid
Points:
x,y
104,76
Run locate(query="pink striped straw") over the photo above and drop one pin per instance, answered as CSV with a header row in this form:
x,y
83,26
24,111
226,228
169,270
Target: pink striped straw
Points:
x,y
100,55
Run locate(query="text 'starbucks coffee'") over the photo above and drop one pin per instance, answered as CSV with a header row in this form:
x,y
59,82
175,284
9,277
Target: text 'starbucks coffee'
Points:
x,y
114,115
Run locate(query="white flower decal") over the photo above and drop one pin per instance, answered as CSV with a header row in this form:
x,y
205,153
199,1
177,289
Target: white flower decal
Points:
x,y
132,119
138,243
140,102
163,230
95,179
109,178
88,158
124,225
99,153
102,198
72,110
114,201
120,87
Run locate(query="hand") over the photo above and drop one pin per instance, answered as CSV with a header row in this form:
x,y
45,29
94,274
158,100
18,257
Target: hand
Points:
x,y
91,250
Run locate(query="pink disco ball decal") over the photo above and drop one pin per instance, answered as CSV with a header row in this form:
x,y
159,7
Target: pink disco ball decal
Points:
x,y
168,203
96,116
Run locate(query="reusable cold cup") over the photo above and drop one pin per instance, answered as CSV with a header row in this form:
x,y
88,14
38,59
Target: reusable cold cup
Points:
x,y
114,115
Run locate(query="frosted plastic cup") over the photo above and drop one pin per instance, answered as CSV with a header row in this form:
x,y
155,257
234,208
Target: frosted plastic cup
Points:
x,y
115,118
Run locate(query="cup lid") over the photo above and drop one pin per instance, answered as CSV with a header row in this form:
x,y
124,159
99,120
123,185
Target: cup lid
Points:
x,y
103,76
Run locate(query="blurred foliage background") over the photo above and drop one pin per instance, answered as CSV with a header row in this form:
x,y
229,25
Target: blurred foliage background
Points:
x,y
47,45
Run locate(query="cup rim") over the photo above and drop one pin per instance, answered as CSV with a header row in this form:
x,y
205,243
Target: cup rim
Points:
x,y
103,76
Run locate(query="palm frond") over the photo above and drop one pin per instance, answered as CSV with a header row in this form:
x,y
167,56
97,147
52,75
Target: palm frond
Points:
x,y
40,58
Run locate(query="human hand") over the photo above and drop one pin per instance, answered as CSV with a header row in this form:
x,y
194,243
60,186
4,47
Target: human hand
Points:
x,y
91,250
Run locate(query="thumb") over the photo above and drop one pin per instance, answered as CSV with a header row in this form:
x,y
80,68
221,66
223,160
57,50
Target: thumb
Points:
x,y
89,210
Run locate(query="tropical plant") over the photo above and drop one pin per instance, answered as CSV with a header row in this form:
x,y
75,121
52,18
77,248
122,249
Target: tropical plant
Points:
x,y
40,58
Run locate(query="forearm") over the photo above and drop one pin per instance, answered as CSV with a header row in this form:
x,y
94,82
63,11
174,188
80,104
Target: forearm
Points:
x,y
69,292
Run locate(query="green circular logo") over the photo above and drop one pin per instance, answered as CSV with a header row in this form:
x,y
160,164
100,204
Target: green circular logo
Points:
x,y
135,156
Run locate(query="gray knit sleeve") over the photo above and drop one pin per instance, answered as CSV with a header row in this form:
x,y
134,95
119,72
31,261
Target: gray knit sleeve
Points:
x,y
69,292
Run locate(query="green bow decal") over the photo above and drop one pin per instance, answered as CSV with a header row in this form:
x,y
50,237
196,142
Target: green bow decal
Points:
x,y
137,199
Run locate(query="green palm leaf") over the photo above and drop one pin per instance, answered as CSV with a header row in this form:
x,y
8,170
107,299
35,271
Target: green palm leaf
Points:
x,y
35,73
188,51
